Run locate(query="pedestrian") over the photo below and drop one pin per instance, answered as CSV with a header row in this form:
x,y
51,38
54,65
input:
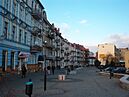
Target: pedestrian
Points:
x,y
53,69
111,66
48,69
67,68
23,70
19,69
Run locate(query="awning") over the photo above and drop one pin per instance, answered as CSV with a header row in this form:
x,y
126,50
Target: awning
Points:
x,y
24,55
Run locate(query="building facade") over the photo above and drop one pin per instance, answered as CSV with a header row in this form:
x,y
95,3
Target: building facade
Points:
x,y
15,32
26,34
126,59
106,49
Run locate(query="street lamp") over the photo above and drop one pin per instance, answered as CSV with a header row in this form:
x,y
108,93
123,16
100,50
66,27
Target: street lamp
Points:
x,y
45,73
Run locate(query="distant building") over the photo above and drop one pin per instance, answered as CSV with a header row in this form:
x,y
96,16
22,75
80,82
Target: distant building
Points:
x,y
106,49
91,58
122,52
126,59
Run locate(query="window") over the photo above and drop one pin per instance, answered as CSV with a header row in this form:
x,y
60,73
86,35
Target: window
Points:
x,y
21,12
13,32
5,29
31,40
6,4
32,4
27,1
34,40
25,39
20,35
25,15
35,6
14,7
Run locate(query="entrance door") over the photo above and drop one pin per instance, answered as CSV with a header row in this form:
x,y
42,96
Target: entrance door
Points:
x,y
4,60
12,61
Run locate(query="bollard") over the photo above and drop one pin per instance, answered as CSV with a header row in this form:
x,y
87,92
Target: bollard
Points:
x,y
29,88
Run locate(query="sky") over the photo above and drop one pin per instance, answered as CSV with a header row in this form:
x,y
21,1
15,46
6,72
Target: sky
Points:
x,y
91,22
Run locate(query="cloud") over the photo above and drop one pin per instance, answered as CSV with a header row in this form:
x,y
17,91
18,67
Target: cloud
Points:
x,y
77,31
83,21
93,49
120,40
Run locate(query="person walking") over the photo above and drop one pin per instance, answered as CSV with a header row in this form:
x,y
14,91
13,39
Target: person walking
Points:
x,y
112,66
48,69
53,69
23,70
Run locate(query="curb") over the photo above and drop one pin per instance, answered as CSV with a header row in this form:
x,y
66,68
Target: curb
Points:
x,y
124,82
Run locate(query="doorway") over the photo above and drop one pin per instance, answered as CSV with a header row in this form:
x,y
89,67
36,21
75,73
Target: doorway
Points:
x,y
4,60
12,61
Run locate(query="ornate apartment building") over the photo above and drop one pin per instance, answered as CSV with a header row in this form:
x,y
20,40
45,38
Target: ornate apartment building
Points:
x,y
26,34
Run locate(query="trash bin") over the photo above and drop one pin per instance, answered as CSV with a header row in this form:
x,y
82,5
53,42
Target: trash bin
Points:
x,y
29,88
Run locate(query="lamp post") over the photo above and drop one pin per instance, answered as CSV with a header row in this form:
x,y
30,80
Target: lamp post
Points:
x,y
45,73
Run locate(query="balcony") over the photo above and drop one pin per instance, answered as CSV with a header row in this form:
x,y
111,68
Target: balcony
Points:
x,y
73,51
36,14
57,48
66,60
57,40
58,58
51,35
62,50
49,46
36,31
50,57
35,49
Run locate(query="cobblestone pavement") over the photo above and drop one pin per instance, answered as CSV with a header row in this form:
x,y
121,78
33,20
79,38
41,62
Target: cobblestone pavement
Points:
x,y
86,83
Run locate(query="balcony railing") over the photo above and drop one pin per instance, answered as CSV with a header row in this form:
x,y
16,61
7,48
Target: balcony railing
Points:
x,y
49,46
57,40
57,48
51,35
36,31
62,50
35,49
58,58
50,57
36,14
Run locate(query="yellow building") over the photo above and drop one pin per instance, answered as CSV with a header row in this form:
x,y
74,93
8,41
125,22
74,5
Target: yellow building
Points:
x,y
126,57
106,49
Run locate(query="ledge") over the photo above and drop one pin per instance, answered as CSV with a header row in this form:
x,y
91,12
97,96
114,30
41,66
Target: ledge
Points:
x,y
123,78
124,82
116,75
